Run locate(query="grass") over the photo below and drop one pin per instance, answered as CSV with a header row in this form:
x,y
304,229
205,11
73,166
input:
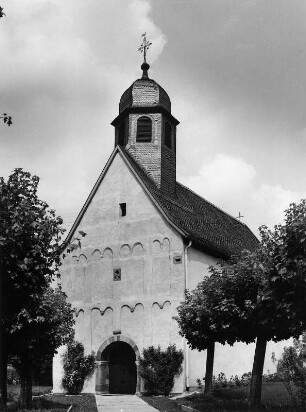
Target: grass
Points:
x,y
274,398
234,399
86,402
14,391
51,403
162,403
39,405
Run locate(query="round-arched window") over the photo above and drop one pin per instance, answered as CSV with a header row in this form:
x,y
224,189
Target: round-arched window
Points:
x,y
144,129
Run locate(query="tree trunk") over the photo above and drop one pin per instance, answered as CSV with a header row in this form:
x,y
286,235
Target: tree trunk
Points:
x,y
26,383
258,364
209,368
3,368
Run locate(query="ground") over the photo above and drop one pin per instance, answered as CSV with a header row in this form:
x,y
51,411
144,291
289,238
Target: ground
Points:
x,y
274,398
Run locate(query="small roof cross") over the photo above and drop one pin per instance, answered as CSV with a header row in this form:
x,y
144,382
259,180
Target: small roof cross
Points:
x,y
144,46
239,216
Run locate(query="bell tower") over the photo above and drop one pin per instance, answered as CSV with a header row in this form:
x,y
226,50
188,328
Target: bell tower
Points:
x,y
146,129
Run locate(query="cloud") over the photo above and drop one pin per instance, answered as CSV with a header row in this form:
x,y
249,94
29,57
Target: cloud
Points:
x,y
64,66
230,183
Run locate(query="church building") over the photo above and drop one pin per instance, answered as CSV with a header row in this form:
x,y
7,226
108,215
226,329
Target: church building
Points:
x,y
148,239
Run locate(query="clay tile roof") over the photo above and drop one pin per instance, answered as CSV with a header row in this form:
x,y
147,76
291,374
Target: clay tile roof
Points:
x,y
209,228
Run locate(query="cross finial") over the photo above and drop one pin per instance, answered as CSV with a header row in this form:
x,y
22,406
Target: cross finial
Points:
x,y
143,49
144,46
239,216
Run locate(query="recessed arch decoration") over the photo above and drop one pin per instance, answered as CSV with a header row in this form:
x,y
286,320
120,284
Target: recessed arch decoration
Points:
x,y
96,255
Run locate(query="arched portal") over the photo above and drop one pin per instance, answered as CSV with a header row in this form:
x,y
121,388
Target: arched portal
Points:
x,y
117,366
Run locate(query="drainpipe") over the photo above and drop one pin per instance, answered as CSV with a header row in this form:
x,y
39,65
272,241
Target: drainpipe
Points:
x,y
186,287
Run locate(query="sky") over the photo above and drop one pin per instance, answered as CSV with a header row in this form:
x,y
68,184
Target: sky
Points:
x,y
235,72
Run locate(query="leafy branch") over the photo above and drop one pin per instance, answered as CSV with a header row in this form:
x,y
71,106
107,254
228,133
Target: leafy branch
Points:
x,y
74,244
6,119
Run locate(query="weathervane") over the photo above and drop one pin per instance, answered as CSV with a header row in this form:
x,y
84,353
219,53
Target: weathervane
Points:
x,y
143,49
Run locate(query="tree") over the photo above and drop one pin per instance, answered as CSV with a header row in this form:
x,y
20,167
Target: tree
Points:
x,y
261,295
30,246
292,368
2,14
199,322
35,342
213,312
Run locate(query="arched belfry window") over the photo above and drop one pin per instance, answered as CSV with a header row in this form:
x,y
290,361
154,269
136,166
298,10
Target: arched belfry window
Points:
x,y
121,133
144,129
168,135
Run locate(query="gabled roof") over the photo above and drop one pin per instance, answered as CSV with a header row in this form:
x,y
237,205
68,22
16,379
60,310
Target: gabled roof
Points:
x,y
210,229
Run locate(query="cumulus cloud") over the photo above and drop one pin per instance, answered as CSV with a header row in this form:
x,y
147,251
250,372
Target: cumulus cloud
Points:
x,y
64,66
230,183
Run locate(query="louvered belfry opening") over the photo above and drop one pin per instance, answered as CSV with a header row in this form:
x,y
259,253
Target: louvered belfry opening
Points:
x,y
144,130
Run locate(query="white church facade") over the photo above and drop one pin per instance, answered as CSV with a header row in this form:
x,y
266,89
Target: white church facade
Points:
x,y
148,239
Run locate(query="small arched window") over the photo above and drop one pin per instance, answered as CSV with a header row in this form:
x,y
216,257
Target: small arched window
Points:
x,y
144,129
168,133
121,133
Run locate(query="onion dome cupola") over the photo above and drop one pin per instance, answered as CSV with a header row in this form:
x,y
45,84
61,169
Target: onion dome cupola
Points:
x,y
146,129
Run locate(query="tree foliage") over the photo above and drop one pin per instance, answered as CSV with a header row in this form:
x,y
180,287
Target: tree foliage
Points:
x,y
76,367
6,118
292,368
48,326
158,368
30,247
30,239
260,295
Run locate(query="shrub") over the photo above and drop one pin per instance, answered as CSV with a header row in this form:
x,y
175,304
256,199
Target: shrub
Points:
x,y
12,375
158,369
292,369
200,385
220,381
246,378
76,367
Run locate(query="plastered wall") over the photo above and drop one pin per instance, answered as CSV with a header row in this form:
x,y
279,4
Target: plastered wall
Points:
x,y
142,245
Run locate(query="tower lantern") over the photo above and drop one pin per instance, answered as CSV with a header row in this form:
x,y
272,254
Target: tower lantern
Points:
x,y
146,129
